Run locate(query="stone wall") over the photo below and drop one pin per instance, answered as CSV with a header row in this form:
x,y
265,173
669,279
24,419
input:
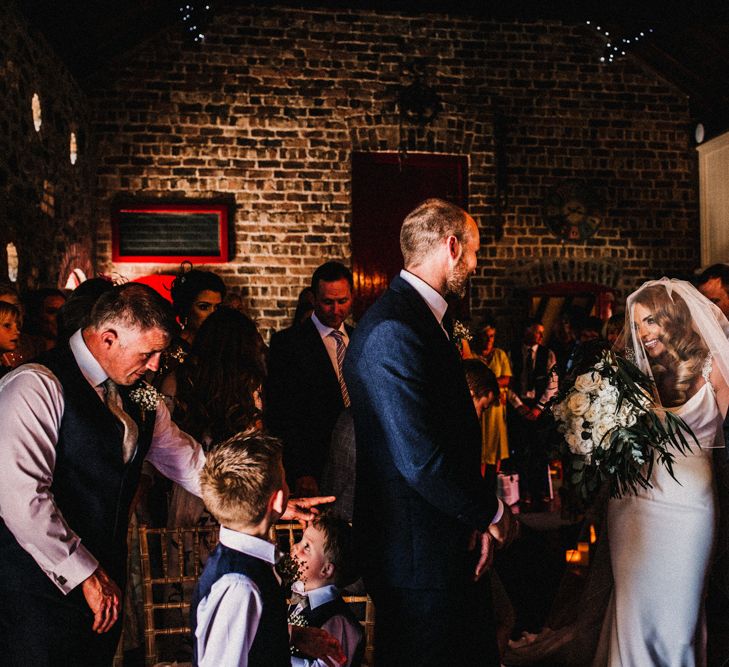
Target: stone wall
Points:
x,y
46,203
270,107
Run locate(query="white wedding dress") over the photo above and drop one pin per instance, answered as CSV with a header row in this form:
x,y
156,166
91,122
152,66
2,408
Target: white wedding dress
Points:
x,y
660,545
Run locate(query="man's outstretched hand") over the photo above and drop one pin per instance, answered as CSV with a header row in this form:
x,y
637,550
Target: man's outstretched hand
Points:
x,y
104,599
318,644
304,509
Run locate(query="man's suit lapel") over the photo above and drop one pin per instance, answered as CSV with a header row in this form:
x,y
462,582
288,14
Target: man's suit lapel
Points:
x,y
317,359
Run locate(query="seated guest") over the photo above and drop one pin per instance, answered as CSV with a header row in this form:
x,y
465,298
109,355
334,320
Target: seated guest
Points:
x,y
238,610
326,557
9,332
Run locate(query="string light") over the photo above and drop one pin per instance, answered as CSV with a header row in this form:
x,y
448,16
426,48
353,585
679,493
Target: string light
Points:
x,y
612,52
195,17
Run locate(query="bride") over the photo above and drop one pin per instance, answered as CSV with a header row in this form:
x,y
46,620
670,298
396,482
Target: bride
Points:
x,y
660,540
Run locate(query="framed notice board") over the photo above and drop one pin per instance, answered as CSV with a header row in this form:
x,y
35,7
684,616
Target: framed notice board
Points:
x,y
170,232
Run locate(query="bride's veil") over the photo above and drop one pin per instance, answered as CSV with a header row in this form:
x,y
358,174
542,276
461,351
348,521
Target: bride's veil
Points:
x,y
679,306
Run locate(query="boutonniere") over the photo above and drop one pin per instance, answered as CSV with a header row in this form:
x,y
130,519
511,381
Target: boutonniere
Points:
x,y
145,396
461,331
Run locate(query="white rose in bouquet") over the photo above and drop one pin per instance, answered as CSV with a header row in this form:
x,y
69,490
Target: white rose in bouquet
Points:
x,y
578,403
594,411
588,382
577,444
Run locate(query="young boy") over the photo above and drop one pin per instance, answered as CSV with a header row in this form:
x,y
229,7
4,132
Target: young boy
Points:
x,y
238,610
325,555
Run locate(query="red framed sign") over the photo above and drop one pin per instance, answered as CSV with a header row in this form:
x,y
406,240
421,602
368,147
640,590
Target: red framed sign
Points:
x,y
170,232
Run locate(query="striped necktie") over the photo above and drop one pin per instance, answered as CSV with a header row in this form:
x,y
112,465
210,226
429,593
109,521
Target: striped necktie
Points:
x,y
131,431
341,350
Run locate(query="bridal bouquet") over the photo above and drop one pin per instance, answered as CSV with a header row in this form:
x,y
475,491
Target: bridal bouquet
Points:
x,y
614,430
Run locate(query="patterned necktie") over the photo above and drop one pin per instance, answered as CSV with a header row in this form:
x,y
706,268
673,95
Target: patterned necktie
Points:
x,y
341,350
131,431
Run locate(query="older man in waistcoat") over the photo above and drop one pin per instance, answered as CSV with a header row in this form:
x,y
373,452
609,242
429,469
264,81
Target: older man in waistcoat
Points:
x,y
71,450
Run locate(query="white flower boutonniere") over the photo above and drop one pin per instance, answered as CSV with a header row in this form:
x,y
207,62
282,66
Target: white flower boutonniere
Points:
x,y
146,397
461,331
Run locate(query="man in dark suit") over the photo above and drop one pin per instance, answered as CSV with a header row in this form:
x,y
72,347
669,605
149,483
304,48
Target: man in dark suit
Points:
x,y
534,384
425,522
306,392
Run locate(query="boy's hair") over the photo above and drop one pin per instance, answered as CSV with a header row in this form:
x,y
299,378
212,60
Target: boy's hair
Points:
x,y
338,546
480,378
240,476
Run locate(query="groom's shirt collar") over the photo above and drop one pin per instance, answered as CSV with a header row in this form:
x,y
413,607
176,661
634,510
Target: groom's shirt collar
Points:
x,y
432,298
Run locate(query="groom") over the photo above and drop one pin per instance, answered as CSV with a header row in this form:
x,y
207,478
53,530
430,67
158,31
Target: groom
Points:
x,y
425,522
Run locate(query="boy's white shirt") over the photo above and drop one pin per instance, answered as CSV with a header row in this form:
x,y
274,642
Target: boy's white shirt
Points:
x,y
228,617
337,626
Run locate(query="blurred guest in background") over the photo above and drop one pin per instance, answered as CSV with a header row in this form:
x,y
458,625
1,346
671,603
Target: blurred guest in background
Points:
x,y
216,393
713,283
493,421
41,315
9,332
74,313
534,383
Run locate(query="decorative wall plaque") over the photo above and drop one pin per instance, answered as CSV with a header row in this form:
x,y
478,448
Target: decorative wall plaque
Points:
x,y
170,232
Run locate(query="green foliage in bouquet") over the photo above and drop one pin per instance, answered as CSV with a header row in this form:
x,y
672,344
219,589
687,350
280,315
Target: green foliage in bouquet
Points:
x,y
614,431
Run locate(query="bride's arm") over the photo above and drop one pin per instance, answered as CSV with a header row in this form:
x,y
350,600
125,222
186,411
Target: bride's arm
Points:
x,y
721,389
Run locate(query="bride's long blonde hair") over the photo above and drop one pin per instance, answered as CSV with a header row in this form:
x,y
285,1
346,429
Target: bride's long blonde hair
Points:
x,y
684,347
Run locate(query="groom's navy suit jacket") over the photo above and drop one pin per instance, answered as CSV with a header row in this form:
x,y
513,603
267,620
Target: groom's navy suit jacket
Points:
x,y
419,493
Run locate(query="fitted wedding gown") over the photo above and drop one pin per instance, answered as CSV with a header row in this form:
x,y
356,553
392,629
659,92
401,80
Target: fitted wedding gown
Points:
x,y
660,545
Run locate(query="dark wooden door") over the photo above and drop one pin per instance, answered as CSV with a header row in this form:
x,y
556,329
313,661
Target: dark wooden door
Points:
x,y
384,190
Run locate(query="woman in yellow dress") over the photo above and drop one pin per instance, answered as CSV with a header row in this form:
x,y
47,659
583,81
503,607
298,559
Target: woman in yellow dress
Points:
x,y
495,442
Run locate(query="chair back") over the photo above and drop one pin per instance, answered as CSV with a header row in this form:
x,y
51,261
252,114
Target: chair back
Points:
x,y
172,560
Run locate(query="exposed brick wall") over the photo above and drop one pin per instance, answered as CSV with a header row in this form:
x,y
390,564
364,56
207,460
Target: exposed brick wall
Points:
x,y
46,204
271,106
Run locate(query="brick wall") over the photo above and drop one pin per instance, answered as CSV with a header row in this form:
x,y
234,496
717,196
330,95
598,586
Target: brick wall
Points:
x,y
271,106
46,204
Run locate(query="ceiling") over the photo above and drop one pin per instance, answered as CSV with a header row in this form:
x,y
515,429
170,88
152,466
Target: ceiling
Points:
x,y
689,45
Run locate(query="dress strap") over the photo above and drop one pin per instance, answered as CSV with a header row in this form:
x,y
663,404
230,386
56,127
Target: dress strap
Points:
x,y
706,369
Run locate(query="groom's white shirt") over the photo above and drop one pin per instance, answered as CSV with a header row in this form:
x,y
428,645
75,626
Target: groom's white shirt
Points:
x,y
31,405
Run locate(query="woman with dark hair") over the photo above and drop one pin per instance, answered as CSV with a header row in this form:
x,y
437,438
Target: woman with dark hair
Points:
x,y
216,393
195,296
304,305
